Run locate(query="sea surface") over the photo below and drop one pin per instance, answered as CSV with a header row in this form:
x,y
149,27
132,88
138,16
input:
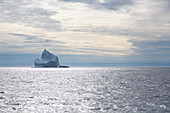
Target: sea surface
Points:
x,y
85,90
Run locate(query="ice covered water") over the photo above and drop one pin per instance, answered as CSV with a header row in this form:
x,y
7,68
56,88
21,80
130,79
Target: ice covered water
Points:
x,y
85,90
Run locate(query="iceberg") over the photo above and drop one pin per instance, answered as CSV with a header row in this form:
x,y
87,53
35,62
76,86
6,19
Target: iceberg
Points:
x,y
48,59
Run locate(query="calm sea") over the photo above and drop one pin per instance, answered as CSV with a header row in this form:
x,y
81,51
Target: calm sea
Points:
x,y
85,90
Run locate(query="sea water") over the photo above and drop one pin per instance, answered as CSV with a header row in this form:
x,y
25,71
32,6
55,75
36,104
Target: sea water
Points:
x,y
85,90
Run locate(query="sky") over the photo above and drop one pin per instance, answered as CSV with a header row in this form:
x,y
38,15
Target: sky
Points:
x,y
85,31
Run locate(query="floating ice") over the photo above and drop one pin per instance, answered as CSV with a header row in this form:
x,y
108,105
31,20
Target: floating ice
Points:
x,y
47,59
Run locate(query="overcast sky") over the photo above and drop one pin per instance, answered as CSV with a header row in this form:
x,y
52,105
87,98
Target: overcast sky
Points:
x,y
87,30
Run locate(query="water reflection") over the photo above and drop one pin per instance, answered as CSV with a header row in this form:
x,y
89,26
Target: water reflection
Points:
x,y
84,90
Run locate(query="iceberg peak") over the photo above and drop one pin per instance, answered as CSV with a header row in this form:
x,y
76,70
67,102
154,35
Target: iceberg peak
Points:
x,y
47,59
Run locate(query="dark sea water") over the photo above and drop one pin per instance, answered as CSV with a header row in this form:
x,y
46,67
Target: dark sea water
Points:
x,y
85,90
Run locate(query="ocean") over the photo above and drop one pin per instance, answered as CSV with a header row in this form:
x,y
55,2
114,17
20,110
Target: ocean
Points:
x,y
85,90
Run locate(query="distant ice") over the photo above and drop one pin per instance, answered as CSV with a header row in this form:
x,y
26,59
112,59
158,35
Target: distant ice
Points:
x,y
47,59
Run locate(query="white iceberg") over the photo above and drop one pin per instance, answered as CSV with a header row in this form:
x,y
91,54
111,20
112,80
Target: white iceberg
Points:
x,y
48,59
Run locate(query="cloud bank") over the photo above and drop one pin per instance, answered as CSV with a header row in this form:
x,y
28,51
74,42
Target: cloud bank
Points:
x,y
116,28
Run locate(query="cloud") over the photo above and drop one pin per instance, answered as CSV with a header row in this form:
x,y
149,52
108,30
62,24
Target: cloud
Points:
x,y
85,27
70,43
105,4
116,4
141,19
26,13
28,37
154,48
35,39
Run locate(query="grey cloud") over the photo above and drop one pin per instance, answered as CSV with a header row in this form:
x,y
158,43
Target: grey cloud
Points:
x,y
47,40
114,31
36,39
81,1
108,4
116,4
7,46
44,41
3,43
28,37
19,12
152,48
